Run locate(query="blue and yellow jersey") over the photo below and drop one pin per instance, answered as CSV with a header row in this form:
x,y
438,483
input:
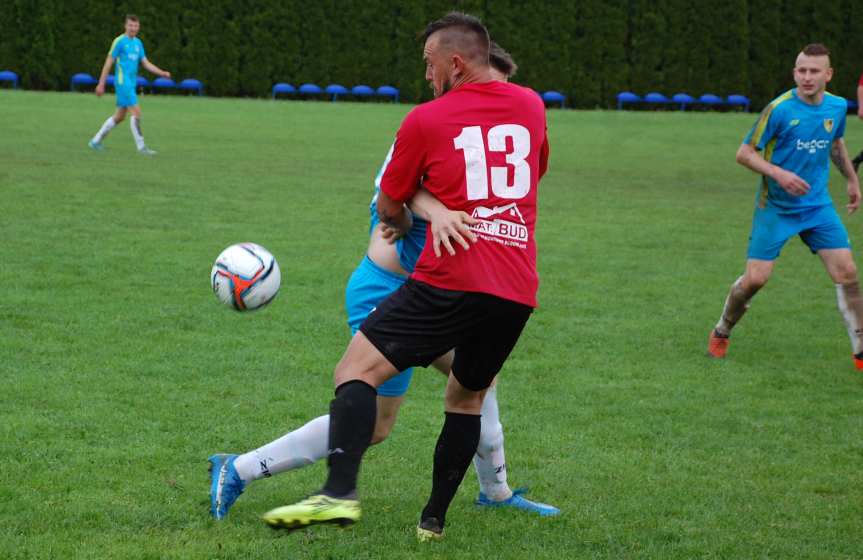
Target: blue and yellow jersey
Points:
x,y
798,137
410,246
128,53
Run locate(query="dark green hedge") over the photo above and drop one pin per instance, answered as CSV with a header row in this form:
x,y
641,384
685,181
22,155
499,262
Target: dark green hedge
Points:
x,y
590,49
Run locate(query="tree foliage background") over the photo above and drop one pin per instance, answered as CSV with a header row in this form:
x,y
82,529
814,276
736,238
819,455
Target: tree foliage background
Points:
x,y
588,49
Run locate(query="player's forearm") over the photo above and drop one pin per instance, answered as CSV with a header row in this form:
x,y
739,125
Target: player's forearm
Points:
x,y
748,157
105,69
394,214
840,158
424,205
152,68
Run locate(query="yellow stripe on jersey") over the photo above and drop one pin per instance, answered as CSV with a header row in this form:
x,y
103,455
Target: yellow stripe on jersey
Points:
x,y
114,43
765,116
765,188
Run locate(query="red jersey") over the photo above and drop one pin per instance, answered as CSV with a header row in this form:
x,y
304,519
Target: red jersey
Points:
x,y
480,148
861,80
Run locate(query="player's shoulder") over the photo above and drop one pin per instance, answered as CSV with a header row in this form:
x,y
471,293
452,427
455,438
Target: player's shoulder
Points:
x,y
782,102
117,40
836,101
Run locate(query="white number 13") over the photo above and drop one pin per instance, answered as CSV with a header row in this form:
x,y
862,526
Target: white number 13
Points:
x,y
471,142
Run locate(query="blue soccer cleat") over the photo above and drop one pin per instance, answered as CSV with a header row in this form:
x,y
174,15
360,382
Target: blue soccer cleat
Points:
x,y
518,501
96,145
225,484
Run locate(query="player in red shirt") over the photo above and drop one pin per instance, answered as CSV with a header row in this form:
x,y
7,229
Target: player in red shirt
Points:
x,y
480,147
859,159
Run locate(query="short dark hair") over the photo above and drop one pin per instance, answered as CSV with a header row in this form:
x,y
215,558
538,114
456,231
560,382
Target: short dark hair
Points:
x,y
462,32
815,49
501,60
132,17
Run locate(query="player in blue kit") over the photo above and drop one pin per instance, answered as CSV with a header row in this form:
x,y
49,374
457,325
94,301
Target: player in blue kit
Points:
x,y
382,271
798,134
128,51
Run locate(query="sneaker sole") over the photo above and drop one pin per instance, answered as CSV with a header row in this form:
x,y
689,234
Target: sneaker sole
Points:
x,y
294,524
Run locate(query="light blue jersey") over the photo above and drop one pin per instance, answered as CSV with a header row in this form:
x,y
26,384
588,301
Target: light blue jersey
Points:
x,y
128,53
798,137
411,245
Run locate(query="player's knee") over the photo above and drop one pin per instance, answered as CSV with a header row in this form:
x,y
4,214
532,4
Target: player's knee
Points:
x,y
754,281
490,438
845,273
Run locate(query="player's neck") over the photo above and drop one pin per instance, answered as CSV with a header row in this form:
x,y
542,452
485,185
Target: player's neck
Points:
x,y
815,99
477,76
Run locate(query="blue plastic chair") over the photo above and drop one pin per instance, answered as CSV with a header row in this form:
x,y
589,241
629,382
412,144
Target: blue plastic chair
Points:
x,y
684,99
142,82
283,88
852,105
625,97
738,101
390,92
82,79
362,91
710,100
310,89
554,97
109,81
336,90
162,83
9,76
191,84
655,97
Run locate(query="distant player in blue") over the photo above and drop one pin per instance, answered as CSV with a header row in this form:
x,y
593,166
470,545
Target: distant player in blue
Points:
x,y
128,51
383,270
797,135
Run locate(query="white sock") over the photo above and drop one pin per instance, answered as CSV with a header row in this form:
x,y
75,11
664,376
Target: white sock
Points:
x,y
106,128
490,461
293,450
851,306
135,125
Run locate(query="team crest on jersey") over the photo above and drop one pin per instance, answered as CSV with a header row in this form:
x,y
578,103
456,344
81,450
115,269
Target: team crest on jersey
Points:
x,y
828,125
503,224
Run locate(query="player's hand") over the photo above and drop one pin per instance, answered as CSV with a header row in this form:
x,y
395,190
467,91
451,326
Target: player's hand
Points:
x,y
853,196
166,74
391,235
100,89
792,184
451,225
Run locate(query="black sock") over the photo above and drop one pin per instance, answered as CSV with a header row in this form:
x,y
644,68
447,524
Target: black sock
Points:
x,y
352,423
455,448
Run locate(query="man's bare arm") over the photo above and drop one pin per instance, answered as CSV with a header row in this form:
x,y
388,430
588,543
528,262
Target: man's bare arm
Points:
x,y
748,157
446,224
100,87
394,214
154,69
839,156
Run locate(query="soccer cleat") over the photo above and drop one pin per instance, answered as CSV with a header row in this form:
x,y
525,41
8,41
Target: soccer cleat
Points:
x,y
429,529
314,510
858,361
96,145
145,151
225,484
518,501
717,345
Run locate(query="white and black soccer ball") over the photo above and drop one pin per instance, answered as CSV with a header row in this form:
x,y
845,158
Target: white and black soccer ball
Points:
x,y
246,277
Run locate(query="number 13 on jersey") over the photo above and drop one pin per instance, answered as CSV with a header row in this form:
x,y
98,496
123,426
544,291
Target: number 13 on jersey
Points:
x,y
472,143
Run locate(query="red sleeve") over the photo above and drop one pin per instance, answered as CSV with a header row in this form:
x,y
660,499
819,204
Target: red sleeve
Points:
x,y
402,176
543,156
861,80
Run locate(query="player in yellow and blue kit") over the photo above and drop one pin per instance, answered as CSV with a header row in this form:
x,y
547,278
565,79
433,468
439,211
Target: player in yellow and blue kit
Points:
x,y
382,271
128,51
797,135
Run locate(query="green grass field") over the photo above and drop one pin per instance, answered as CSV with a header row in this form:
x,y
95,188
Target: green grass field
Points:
x,y
121,373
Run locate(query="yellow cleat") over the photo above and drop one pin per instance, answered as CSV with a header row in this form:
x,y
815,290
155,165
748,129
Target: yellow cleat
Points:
x,y
312,511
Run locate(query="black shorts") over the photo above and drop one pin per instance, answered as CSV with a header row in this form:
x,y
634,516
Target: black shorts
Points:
x,y
419,323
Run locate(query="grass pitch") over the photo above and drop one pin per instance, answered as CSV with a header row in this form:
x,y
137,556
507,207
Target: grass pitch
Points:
x,y
121,373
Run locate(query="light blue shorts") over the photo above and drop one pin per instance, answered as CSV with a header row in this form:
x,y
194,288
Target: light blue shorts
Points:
x,y
126,96
820,228
368,286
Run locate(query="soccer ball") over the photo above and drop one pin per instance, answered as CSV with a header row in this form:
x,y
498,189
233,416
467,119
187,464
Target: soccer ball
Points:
x,y
245,277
